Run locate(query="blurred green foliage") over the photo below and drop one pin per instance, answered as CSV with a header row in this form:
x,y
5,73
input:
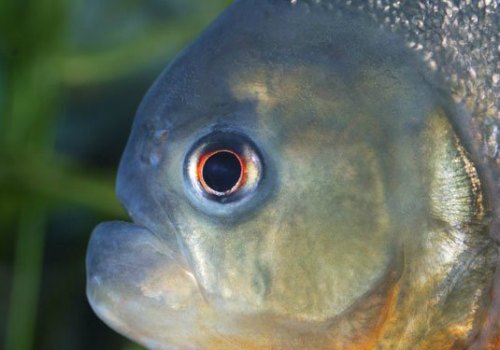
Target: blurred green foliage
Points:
x,y
71,76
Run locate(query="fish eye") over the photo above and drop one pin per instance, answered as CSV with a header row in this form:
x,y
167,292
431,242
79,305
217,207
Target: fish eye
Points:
x,y
223,166
221,172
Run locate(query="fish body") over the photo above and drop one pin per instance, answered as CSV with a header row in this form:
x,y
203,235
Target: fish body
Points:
x,y
312,175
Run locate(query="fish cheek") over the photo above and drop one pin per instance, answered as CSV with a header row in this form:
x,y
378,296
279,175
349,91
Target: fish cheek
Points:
x,y
312,249
333,239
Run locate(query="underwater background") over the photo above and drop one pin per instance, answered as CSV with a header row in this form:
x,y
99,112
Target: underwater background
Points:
x,y
72,74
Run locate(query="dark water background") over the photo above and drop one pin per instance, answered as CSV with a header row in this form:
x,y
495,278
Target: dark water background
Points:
x,y
72,74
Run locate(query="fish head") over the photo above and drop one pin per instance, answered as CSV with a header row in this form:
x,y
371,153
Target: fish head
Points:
x,y
295,181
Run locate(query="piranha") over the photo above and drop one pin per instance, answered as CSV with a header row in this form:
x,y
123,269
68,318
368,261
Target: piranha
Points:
x,y
313,175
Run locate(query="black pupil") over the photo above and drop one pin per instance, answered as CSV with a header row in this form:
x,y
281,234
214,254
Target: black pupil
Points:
x,y
222,171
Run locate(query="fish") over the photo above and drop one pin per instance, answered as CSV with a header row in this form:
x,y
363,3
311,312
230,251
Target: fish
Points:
x,y
313,175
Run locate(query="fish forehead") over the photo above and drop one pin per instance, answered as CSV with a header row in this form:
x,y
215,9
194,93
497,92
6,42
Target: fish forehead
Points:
x,y
270,36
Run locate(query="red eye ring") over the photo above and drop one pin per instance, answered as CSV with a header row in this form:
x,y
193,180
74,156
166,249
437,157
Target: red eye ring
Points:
x,y
234,183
